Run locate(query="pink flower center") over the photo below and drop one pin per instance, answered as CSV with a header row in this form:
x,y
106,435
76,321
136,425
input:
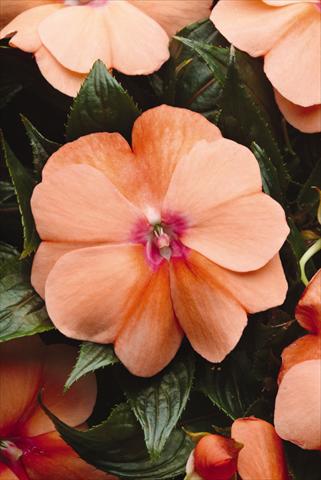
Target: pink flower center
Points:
x,y
161,239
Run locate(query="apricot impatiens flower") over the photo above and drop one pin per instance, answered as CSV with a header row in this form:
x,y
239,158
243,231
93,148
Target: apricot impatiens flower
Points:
x,y
297,414
288,34
131,36
255,452
30,448
141,245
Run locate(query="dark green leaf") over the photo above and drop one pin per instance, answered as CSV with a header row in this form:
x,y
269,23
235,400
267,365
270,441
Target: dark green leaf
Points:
x,y
42,148
270,179
230,385
24,185
7,252
91,357
117,446
7,195
309,196
102,105
159,402
22,311
216,58
248,109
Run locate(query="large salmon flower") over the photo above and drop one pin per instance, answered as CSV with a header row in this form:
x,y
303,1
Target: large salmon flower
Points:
x,y
30,448
143,244
67,37
297,414
255,452
288,34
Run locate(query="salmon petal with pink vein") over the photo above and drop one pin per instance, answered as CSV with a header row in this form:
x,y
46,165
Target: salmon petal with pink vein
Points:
x,y
80,204
173,15
90,292
253,26
299,53
306,119
73,406
151,336
262,452
26,25
58,462
212,319
105,33
297,415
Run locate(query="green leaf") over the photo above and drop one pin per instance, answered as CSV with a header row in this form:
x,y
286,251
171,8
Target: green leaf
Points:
x,y
248,111
117,446
309,196
185,80
216,58
189,81
102,105
270,179
42,148
159,402
24,185
230,385
22,311
7,195
7,252
91,357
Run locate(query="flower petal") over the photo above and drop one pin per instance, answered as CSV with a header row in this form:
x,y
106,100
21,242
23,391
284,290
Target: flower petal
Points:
x,y
74,406
241,235
57,461
281,3
150,336
80,204
308,310
85,40
161,137
253,26
107,152
6,473
305,119
45,258
209,175
173,15
293,64
89,291
211,318
138,44
305,348
20,380
26,25
59,77
297,415
255,291
262,456
106,33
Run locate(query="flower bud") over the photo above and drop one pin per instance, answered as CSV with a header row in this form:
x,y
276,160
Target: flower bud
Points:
x,y
215,457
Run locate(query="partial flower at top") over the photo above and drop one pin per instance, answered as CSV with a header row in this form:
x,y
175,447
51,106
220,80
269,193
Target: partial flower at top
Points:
x,y
288,34
30,448
141,245
67,37
297,414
